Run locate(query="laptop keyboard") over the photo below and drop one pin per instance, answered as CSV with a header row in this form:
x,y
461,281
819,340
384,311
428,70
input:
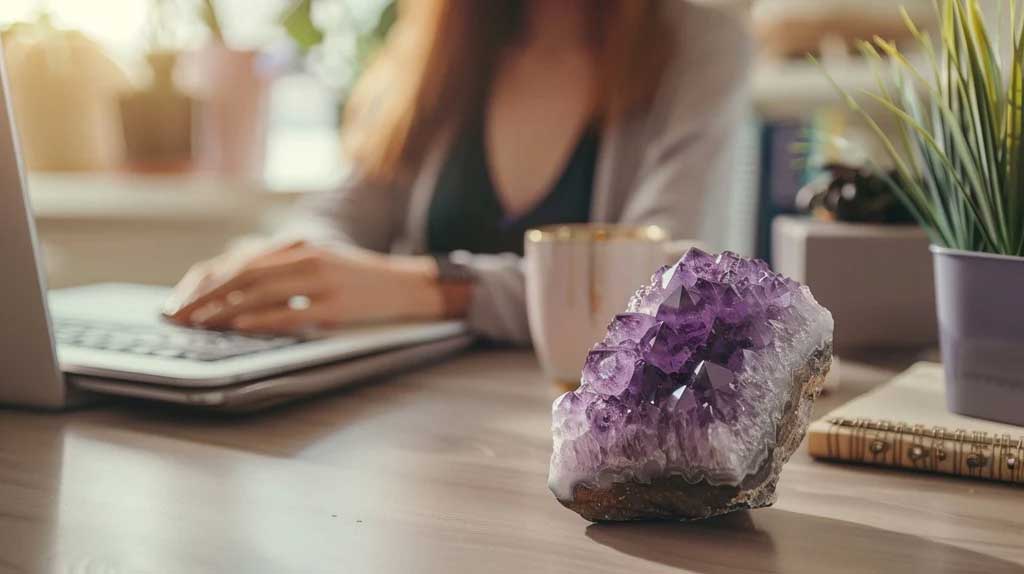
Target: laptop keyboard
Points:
x,y
165,341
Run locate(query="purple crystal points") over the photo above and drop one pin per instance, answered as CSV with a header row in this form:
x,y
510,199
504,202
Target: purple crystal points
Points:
x,y
695,397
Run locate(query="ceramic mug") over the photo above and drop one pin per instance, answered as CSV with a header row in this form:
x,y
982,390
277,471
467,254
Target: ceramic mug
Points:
x,y
578,277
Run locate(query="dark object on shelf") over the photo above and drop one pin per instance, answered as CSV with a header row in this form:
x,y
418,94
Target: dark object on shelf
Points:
x,y
845,193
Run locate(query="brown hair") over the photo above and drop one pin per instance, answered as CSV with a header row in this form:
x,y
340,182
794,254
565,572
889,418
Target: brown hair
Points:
x,y
436,64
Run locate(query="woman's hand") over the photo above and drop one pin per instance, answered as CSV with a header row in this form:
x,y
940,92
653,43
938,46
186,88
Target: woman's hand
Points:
x,y
300,286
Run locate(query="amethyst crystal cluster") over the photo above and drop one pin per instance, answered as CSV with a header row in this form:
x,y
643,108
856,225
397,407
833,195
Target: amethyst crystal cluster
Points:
x,y
696,397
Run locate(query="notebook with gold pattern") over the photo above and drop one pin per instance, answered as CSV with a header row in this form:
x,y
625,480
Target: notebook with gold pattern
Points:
x,y
904,424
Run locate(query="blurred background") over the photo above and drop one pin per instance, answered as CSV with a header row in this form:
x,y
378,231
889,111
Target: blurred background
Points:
x,y
172,126
156,131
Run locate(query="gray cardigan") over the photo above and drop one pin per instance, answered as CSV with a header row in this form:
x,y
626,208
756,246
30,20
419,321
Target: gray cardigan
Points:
x,y
653,168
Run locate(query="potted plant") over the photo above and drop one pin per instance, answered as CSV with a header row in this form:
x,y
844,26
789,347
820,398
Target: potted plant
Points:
x,y
157,116
958,149
233,84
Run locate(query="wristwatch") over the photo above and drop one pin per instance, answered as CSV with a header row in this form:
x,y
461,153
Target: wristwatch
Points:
x,y
453,268
455,279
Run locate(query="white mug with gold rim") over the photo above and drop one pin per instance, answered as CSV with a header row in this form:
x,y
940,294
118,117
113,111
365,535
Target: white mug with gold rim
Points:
x,y
578,277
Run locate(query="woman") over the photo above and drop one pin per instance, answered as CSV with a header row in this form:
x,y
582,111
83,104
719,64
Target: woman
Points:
x,y
480,120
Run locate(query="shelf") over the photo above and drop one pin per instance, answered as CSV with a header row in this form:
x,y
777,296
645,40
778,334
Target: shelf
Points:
x,y
188,198
795,89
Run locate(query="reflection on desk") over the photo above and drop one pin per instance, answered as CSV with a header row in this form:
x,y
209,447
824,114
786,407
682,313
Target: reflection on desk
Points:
x,y
442,470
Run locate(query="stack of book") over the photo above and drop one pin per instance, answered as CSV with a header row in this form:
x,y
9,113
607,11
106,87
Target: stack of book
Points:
x,y
905,424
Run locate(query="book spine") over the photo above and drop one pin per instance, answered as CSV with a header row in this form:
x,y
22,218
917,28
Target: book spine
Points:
x,y
939,450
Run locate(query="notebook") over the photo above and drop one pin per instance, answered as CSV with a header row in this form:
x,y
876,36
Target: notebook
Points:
x,y
904,424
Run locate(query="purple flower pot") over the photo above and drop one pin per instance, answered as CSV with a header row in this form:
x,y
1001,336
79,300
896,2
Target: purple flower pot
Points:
x,y
980,303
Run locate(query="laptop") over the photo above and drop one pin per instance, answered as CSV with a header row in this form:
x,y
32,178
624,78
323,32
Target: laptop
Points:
x,y
67,346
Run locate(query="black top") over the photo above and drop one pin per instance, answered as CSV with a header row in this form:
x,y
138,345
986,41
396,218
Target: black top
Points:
x,y
466,213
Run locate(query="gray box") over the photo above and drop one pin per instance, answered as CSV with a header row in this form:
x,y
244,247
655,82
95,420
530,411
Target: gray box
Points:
x,y
875,279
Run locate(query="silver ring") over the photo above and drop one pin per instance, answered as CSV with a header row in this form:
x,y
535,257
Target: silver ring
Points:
x,y
299,303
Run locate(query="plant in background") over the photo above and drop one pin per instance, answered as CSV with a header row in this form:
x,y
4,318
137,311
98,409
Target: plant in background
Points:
x,y
298,22
959,142
170,22
208,13
340,36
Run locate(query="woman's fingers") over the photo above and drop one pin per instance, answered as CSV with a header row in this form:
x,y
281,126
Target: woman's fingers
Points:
x,y
195,281
204,277
272,293
283,320
257,271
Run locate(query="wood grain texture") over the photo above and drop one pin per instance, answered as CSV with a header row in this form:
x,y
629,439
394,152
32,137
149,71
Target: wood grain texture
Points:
x,y
442,470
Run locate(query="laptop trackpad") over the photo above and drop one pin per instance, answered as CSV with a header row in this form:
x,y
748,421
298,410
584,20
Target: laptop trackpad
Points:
x,y
120,302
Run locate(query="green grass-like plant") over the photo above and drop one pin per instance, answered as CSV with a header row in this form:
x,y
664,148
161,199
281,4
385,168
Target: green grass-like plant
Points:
x,y
957,146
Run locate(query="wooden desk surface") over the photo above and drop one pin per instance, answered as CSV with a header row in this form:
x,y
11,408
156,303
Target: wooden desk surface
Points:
x,y
442,470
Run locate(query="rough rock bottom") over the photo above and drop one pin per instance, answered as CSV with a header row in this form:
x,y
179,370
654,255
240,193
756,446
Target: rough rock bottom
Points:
x,y
672,498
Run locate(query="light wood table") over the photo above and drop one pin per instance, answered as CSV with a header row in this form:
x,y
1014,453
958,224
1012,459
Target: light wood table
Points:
x,y
441,470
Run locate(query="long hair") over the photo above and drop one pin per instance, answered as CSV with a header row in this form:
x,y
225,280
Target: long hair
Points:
x,y
435,67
